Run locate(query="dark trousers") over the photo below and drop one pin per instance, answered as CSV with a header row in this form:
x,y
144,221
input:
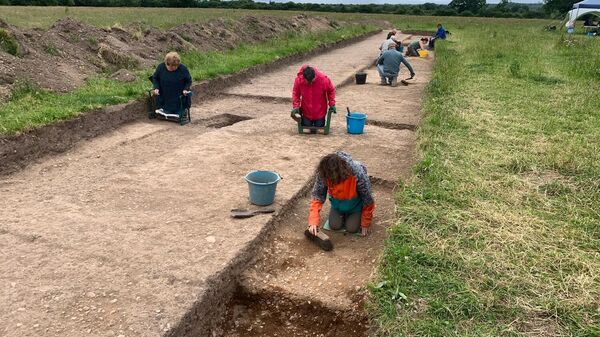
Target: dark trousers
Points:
x,y
412,52
432,43
350,221
310,122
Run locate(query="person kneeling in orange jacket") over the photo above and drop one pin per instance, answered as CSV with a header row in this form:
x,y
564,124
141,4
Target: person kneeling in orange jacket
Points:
x,y
349,188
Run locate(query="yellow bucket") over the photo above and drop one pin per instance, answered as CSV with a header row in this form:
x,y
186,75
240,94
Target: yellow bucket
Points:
x,y
423,53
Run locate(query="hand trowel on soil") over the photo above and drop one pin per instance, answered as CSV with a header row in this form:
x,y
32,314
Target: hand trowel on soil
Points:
x,y
405,81
321,239
244,213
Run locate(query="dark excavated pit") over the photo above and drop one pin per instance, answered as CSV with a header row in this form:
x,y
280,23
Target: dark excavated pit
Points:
x,y
393,126
223,120
270,314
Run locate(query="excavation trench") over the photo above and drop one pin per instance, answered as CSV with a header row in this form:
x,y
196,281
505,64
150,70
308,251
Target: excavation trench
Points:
x,y
20,150
275,314
141,229
292,288
393,126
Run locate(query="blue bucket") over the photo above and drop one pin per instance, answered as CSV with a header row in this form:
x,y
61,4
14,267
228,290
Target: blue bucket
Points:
x,y
355,122
262,185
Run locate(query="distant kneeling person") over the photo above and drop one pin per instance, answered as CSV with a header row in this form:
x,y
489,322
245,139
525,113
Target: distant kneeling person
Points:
x,y
313,92
415,46
170,80
388,66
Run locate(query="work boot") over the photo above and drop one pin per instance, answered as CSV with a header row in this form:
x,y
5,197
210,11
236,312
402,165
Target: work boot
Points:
x,y
394,81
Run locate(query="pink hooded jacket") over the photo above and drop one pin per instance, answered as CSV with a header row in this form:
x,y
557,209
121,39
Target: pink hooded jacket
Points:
x,y
313,98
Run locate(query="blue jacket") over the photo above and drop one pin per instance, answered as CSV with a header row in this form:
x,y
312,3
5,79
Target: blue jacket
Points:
x,y
440,34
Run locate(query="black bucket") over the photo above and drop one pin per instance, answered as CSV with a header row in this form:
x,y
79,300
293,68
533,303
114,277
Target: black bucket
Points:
x,y
361,78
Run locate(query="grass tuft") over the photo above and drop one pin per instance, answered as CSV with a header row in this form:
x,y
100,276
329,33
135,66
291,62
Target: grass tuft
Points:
x,y
8,43
24,89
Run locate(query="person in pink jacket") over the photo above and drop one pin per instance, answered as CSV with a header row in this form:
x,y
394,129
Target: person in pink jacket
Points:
x,y
312,94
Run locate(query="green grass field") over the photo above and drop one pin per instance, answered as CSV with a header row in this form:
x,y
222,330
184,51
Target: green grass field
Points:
x,y
44,17
499,231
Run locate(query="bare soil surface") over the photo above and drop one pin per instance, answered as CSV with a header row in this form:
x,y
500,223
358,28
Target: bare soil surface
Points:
x,y
346,60
392,107
63,57
129,234
297,266
295,289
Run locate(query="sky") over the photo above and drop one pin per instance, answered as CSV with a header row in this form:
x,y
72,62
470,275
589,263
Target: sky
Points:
x,y
381,2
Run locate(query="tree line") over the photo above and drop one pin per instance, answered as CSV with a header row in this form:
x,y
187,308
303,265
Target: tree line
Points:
x,y
505,9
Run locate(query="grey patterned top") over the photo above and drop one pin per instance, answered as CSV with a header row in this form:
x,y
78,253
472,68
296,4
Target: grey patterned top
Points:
x,y
363,184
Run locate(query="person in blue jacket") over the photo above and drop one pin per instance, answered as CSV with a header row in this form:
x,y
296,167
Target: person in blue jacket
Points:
x,y
170,80
439,34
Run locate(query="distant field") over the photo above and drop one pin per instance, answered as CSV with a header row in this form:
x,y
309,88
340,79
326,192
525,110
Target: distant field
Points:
x,y
43,17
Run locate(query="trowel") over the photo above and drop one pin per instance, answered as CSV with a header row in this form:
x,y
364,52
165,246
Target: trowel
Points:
x,y
321,239
244,213
405,81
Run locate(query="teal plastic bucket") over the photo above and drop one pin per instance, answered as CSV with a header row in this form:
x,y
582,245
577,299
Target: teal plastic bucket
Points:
x,y
262,185
355,122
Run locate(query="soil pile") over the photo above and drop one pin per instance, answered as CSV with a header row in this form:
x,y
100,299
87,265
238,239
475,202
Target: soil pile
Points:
x,y
62,57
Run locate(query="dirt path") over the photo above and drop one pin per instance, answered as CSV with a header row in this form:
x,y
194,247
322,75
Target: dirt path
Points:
x,y
129,234
339,66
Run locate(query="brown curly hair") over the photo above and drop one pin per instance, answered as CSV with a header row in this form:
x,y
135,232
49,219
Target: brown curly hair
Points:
x,y
333,169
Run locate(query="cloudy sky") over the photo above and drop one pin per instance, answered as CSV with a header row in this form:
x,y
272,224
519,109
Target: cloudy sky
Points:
x,y
387,1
